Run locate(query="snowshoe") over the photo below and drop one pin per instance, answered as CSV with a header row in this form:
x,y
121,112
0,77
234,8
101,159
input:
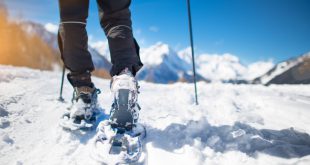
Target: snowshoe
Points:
x,y
125,109
84,111
119,139
119,146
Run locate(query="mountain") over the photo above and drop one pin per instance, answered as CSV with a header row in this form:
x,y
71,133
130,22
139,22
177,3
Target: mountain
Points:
x,y
163,65
102,65
233,124
30,44
225,67
102,47
100,62
20,47
292,71
47,36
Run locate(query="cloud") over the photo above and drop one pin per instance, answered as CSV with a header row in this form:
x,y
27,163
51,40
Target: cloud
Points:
x,y
258,69
53,28
154,29
225,66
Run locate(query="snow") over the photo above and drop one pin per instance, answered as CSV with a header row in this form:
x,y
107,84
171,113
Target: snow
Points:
x,y
161,58
103,48
50,27
186,55
226,66
233,124
258,69
162,65
280,68
155,54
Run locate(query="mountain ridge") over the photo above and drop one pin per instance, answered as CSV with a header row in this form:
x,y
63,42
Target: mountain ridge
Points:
x,y
295,70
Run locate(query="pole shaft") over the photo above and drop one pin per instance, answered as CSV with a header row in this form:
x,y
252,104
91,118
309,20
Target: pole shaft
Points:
x,y
192,46
60,45
62,83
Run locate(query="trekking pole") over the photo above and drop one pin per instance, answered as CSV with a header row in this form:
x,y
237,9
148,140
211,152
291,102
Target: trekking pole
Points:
x,y
61,99
192,46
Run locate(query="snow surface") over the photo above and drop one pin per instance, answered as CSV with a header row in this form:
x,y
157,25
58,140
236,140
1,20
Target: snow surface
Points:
x,y
233,124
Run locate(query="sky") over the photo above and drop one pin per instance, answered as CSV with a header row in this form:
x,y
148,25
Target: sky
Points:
x,y
253,30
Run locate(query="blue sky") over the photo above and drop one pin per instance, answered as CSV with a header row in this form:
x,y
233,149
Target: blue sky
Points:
x,y
251,29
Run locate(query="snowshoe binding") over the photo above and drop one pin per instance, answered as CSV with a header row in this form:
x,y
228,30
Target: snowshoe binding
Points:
x,y
84,110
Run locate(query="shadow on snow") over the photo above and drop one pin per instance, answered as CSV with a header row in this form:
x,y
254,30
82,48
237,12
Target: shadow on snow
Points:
x,y
84,135
286,143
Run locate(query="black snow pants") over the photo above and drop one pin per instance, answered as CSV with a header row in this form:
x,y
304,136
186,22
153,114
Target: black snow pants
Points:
x,y
115,19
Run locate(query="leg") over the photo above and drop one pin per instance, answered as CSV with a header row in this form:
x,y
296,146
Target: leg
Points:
x,y
72,37
115,19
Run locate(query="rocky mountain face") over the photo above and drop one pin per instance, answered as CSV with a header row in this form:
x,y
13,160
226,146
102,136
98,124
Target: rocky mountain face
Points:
x,y
292,71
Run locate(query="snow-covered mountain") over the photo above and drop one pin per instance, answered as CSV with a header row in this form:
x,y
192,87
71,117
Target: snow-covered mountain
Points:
x,y
233,124
225,67
51,38
292,71
163,65
33,28
102,47
48,53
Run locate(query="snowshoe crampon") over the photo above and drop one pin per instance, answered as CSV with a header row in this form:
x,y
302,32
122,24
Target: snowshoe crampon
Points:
x,y
115,146
77,123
